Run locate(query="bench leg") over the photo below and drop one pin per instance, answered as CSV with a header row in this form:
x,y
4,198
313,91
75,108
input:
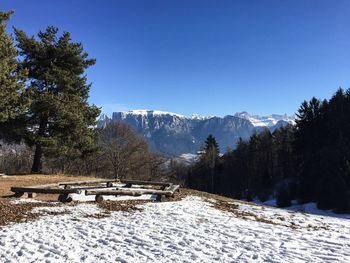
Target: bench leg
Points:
x,y
98,198
65,198
31,195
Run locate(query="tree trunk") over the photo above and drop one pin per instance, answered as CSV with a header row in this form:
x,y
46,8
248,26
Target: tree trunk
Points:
x,y
115,171
212,172
37,162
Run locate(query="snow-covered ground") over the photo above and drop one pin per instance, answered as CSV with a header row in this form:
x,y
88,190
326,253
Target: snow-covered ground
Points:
x,y
310,208
191,230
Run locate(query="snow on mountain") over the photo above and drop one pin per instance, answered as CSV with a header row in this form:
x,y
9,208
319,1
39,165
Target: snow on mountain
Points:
x,y
150,113
102,120
256,120
265,121
196,116
188,158
176,134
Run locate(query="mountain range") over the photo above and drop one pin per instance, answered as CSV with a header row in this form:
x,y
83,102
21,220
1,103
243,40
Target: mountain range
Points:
x,y
174,134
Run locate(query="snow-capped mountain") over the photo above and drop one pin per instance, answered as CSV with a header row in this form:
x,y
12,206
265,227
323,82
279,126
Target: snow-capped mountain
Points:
x,y
176,134
124,114
265,121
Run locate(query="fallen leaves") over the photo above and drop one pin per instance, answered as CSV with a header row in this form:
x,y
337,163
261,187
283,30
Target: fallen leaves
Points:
x,y
19,212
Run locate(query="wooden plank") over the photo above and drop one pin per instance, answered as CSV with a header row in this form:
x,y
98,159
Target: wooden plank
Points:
x,y
132,182
131,192
41,186
88,187
44,190
144,182
87,182
173,188
114,192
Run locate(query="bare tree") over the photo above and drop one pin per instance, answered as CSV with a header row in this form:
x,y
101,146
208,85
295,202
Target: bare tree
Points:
x,y
15,158
123,149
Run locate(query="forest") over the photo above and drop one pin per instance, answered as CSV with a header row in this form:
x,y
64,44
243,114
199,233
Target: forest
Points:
x,y
308,162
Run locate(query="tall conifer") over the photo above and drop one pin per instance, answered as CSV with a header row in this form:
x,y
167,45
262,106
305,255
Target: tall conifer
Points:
x,y
59,120
210,159
11,79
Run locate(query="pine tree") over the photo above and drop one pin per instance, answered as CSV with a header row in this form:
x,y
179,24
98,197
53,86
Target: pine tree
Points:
x,y
234,178
284,160
210,159
322,146
12,97
334,181
242,159
261,163
309,139
59,120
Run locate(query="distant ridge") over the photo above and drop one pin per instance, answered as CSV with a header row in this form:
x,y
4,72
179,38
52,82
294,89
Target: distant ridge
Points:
x,y
150,112
175,134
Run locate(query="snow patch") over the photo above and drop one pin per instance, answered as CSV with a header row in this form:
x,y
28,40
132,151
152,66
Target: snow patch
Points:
x,y
310,208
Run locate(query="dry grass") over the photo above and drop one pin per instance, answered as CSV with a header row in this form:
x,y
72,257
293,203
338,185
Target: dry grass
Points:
x,y
183,192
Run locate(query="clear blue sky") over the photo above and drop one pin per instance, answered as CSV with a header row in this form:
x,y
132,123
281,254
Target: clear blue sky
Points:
x,y
206,57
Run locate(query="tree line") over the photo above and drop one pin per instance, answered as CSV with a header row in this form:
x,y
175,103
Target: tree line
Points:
x,y
307,162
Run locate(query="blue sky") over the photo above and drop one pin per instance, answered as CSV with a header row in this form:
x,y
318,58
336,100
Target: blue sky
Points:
x,y
205,57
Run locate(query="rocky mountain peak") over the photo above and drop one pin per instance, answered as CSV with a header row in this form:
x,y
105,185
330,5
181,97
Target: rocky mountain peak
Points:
x,y
176,134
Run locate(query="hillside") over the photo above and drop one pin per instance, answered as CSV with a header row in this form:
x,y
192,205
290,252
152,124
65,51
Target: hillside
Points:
x,y
194,227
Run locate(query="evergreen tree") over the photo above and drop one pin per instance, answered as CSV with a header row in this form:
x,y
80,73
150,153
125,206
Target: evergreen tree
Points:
x,y
261,163
242,168
12,96
322,145
210,159
59,120
309,138
235,180
334,181
284,160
